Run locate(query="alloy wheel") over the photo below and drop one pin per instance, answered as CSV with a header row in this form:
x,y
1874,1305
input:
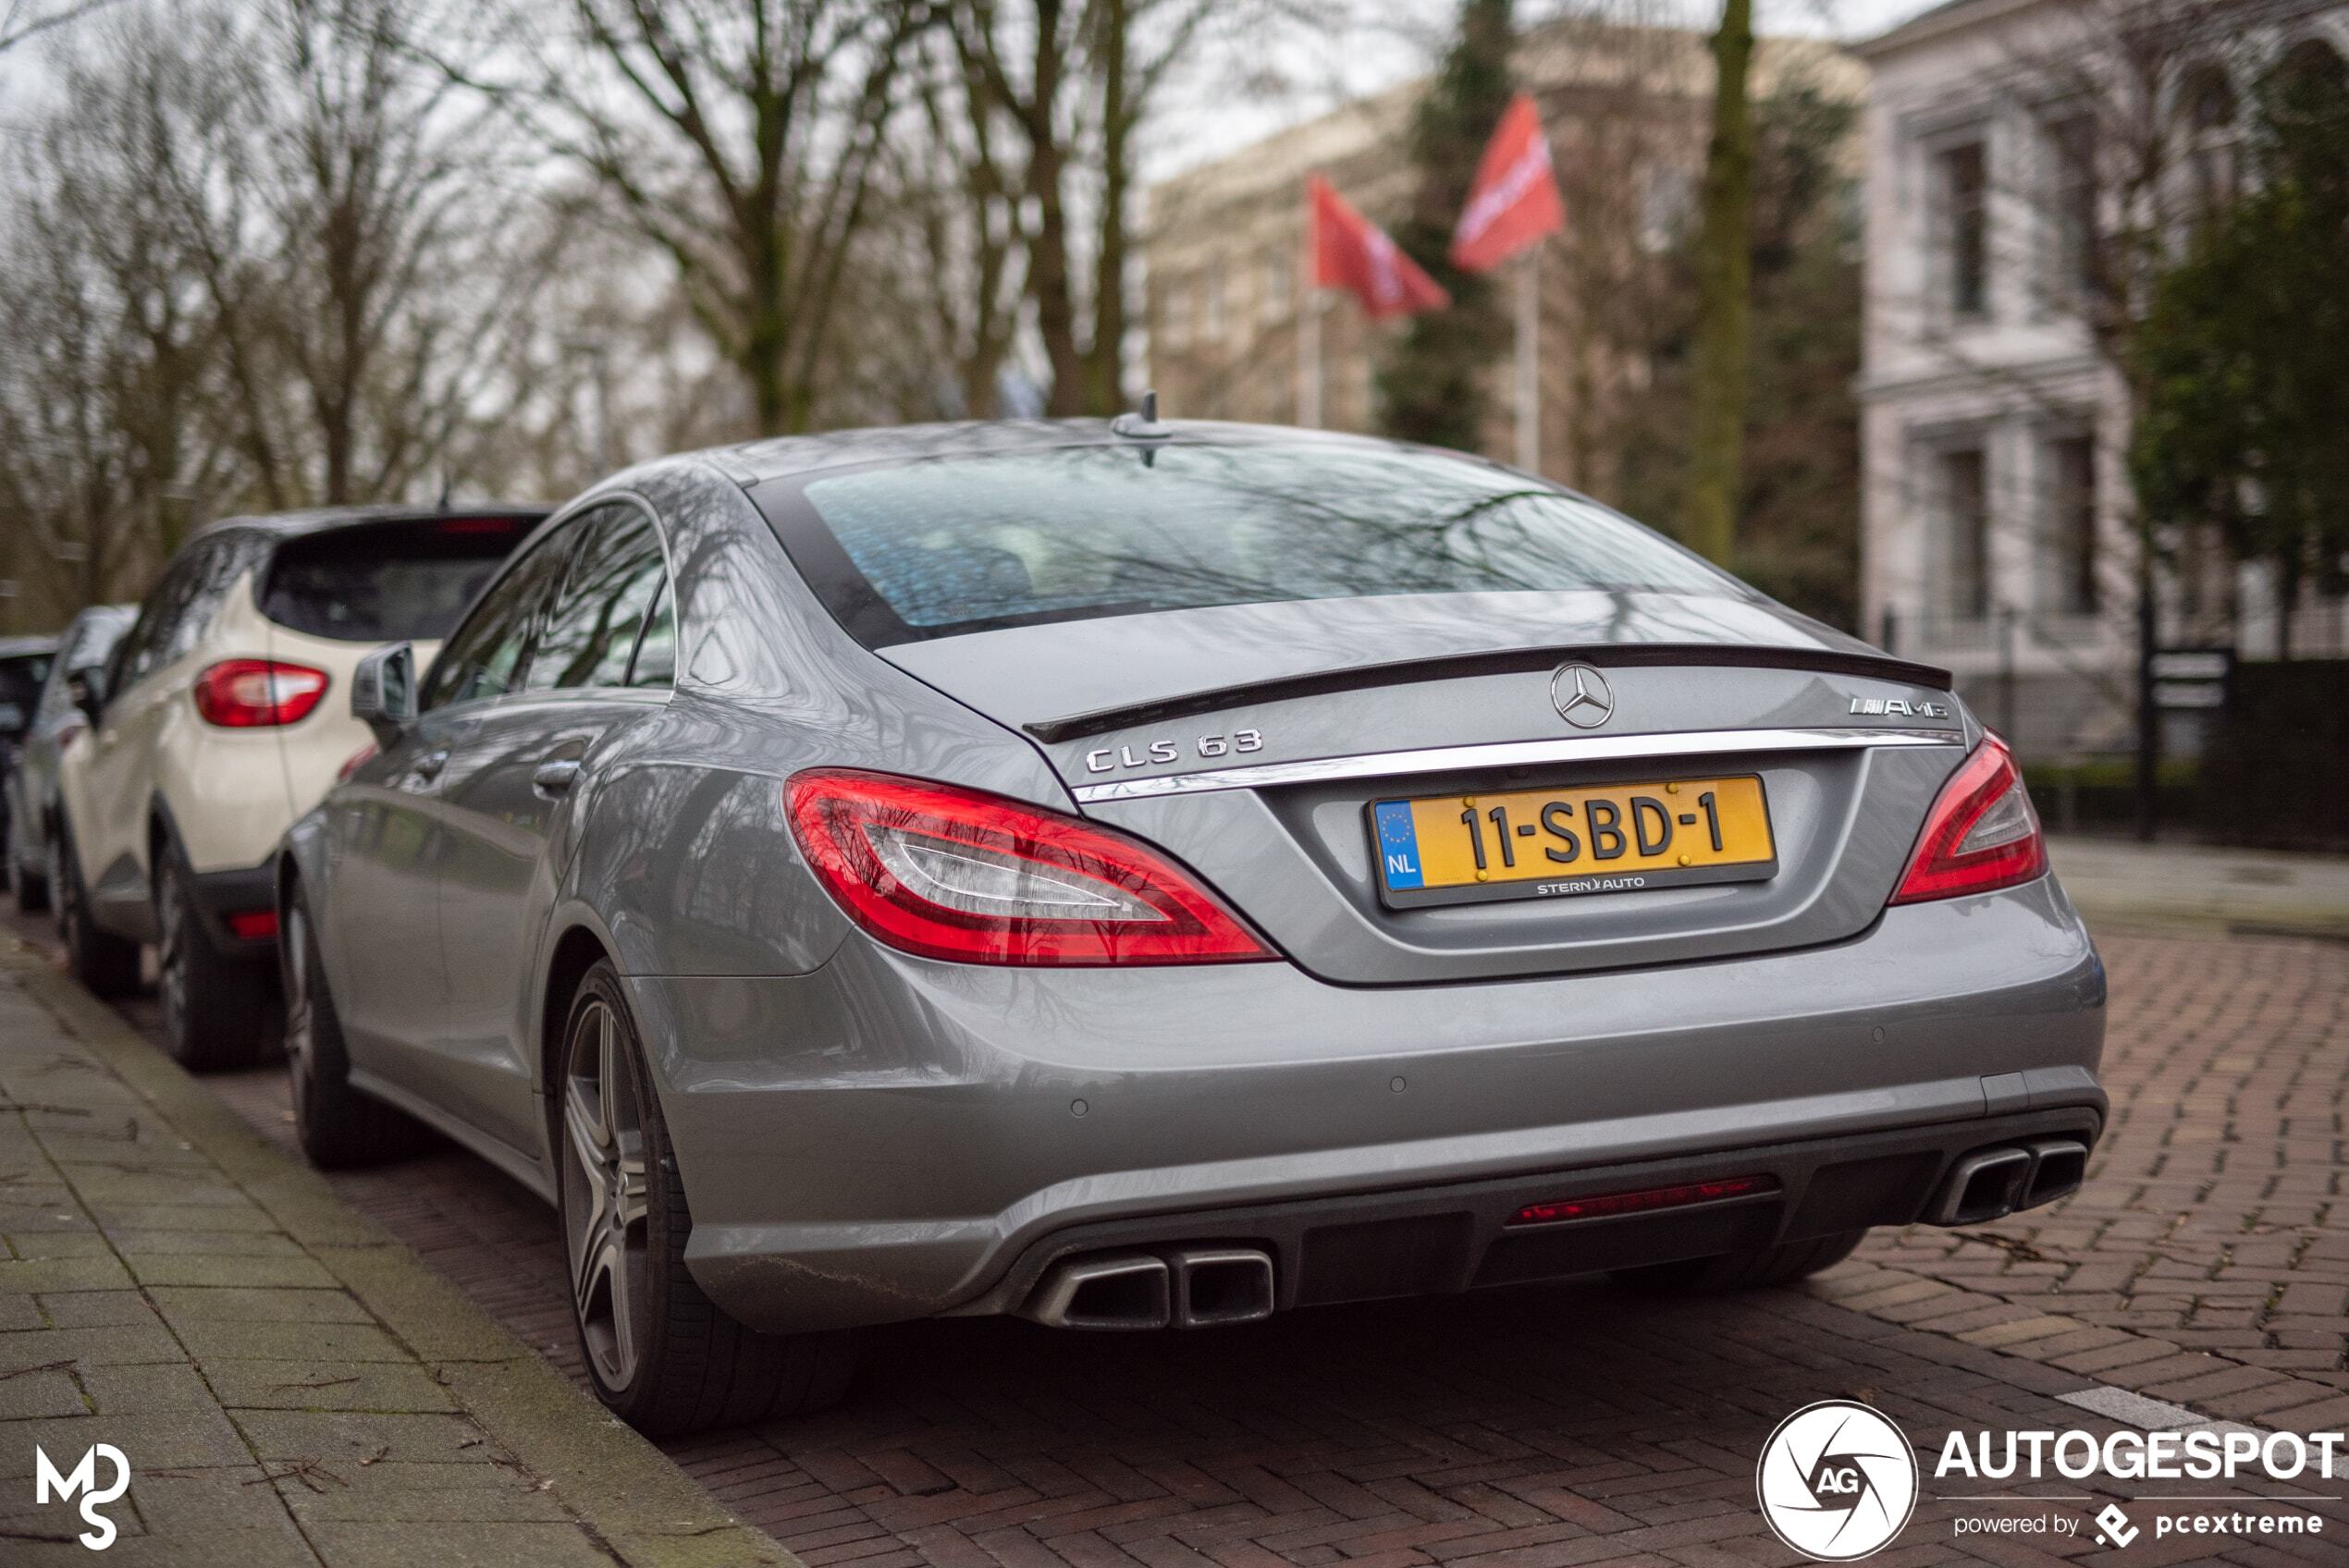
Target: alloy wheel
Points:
x,y
171,953
606,1204
300,1008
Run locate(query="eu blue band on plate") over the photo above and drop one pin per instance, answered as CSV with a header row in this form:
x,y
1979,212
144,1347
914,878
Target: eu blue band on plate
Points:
x,y
1398,844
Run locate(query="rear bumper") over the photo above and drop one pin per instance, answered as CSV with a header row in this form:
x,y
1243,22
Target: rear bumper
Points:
x,y
220,896
1431,1241
886,1138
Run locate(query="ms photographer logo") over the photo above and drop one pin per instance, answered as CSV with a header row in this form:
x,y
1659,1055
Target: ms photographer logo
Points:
x,y
49,1484
1837,1481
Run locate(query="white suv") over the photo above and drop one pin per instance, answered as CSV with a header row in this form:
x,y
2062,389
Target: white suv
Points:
x,y
221,717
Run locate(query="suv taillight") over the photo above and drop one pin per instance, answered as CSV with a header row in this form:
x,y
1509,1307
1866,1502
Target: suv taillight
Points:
x,y
1981,835
949,873
254,693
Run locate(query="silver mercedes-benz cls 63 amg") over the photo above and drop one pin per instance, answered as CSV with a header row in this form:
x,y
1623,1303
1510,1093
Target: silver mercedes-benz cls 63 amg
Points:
x,y
1142,876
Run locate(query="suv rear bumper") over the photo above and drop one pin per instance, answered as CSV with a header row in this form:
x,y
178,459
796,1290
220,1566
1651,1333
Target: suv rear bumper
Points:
x,y
250,890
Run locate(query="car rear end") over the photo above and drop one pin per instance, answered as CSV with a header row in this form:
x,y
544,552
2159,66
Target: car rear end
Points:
x,y
1450,884
272,702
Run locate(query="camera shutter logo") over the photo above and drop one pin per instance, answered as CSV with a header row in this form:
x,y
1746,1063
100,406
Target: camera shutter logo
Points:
x,y
83,1478
1837,1481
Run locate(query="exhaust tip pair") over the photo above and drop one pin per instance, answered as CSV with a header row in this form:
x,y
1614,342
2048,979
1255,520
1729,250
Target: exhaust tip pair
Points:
x,y
1182,1288
1994,1183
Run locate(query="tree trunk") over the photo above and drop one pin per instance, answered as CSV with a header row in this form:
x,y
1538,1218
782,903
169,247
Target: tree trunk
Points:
x,y
1105,360
1725,302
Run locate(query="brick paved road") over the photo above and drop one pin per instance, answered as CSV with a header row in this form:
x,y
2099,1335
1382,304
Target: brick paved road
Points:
x,y
2206,1264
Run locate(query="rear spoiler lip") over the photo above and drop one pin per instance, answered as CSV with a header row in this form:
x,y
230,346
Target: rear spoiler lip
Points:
x,y
1501,661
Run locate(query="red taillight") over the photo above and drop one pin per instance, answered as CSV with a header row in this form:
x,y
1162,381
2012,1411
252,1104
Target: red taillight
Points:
x,y
953,874
1605,1204
252,694
254,923
1981,834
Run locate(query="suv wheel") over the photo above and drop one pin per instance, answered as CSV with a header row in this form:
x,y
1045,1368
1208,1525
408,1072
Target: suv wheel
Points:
x,y
107,965
1744,1270
661,1355
339,1126
213,1004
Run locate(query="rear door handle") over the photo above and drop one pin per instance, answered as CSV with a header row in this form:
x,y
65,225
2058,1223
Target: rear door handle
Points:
x,y
555,778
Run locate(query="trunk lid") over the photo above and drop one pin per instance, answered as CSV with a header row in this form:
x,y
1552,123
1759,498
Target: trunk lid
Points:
x,y
1252,742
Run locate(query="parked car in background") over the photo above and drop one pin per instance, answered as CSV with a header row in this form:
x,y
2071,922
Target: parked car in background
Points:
x,y
30,801
219,717
24,664
1136,875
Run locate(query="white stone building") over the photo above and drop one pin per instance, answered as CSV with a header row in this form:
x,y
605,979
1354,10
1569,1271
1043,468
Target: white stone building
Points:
x,y
1998,537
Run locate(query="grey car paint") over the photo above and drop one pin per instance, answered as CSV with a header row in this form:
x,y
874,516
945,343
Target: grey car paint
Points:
x,y
866,1136
32,772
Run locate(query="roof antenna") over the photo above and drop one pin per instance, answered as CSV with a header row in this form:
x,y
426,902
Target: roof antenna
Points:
x,y
448,483
1145,425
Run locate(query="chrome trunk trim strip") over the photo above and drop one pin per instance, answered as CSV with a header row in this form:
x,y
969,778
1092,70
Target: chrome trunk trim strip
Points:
x,y
1510,754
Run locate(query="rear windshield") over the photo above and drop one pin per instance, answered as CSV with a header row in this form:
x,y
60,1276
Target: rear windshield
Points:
x,y
932,548
20,677
388,581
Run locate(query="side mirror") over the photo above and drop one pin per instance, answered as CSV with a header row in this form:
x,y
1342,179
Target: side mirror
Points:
x,y
383,693
87,687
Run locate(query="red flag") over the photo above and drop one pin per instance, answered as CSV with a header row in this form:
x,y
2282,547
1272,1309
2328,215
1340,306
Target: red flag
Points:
x,y
1515,200
1353,253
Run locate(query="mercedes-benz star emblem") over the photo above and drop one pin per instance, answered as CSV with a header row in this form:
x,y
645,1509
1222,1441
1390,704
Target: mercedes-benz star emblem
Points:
x,y
1583,696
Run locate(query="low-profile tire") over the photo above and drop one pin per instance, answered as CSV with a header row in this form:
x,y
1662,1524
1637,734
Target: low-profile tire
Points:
x,y
214,1005
340,1127
661,1355
1746,1270
107,965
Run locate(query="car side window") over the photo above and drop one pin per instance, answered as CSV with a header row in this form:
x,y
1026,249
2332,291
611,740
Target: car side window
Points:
x,y
615,578
487,655
208,588
655,664
142,653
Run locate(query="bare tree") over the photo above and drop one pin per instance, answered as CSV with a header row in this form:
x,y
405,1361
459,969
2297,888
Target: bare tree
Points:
x,y
742,140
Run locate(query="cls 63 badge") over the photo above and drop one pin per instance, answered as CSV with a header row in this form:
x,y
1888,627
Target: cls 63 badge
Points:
x,y
1107,759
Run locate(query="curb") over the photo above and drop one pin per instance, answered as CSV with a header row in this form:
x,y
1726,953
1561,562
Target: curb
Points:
x,y
645,1510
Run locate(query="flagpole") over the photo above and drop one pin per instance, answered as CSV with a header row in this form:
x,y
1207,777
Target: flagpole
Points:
x,y
1529,360
1308,331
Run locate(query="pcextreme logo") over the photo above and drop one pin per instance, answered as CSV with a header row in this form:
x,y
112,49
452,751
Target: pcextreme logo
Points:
x,y
47,1483
1837,1481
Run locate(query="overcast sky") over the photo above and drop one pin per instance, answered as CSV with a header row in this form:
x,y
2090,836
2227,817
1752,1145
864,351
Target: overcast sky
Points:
x,y
1395,40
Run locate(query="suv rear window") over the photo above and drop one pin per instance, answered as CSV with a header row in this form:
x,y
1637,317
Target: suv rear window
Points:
x,y
388,581
952,545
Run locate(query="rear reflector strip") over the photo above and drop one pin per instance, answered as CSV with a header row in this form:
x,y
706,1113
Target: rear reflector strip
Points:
x,y
253,924
1606,1204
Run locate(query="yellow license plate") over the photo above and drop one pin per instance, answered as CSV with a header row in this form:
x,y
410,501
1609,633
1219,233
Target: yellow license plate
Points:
x,y
1569,842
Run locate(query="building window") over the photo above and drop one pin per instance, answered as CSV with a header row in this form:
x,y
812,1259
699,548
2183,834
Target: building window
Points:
x,y
2206,104
1278,276
2072,208
2069,567
1667,194
1174,314
1962,478
1212,316
1961,203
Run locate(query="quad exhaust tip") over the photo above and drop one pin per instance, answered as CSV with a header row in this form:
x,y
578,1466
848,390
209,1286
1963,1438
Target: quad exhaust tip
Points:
x,y
1992,1183
1184,1288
